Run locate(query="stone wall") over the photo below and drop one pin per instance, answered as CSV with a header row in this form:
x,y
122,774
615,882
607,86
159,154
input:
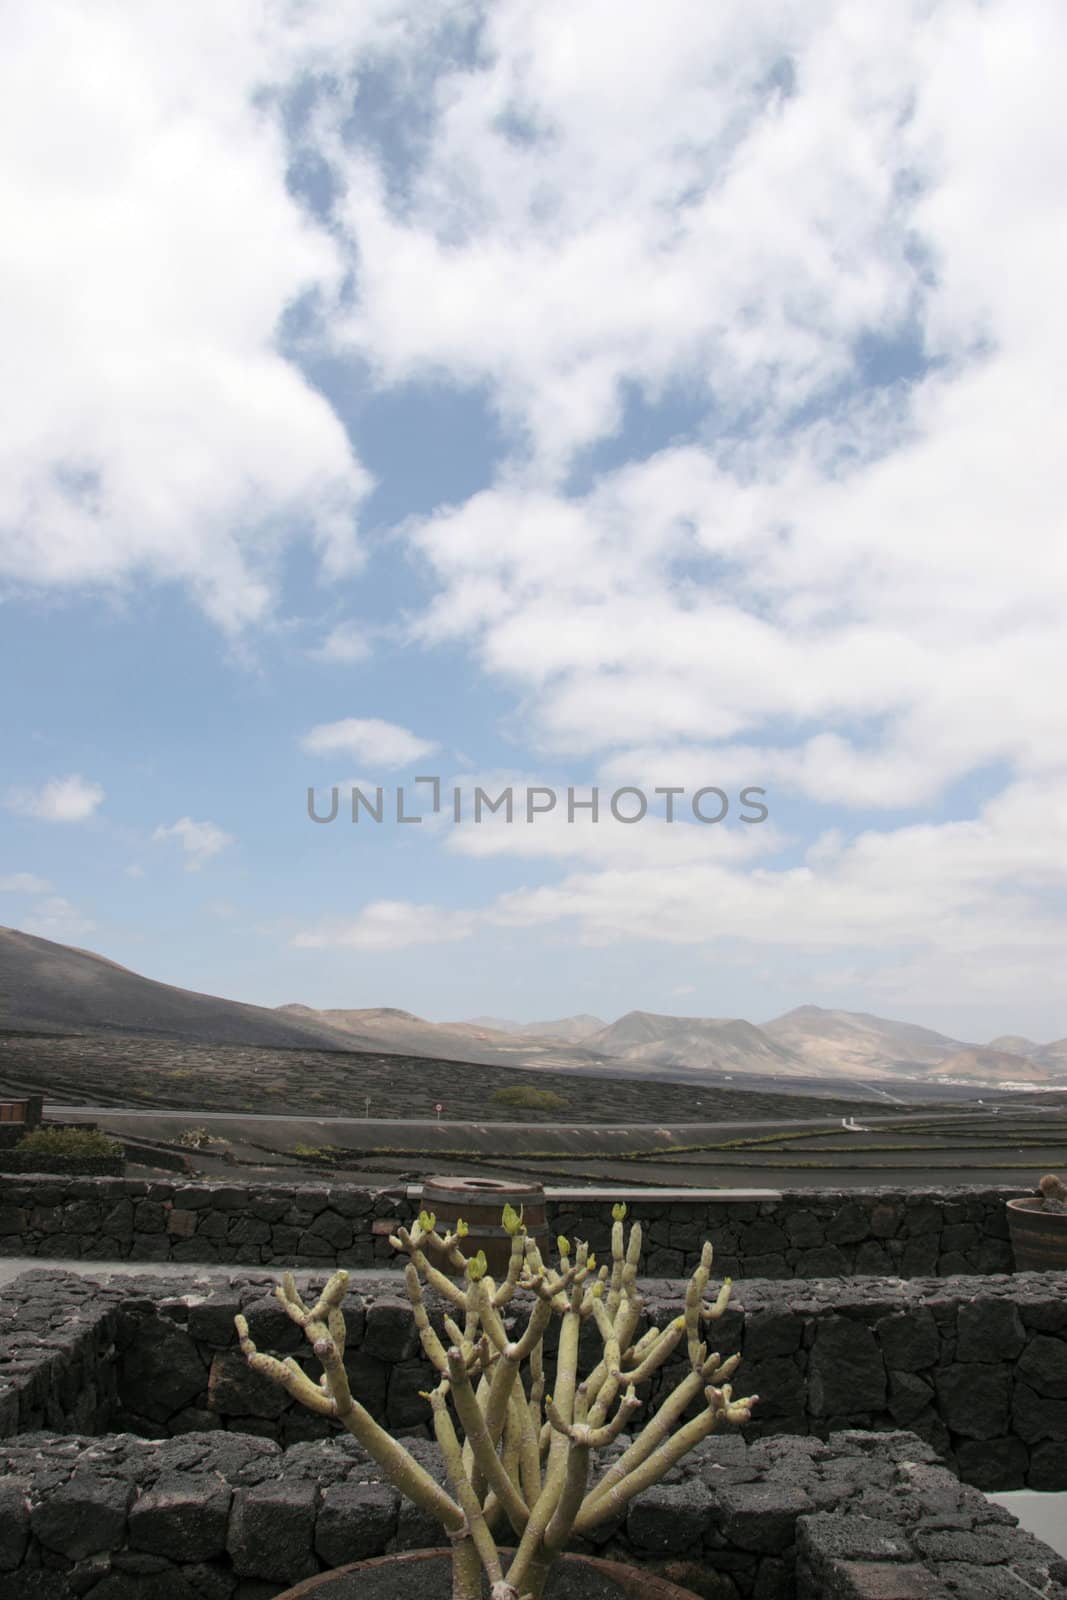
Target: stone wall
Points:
x,y
57,1335
975,1366
58,1164
215,1516
799,1234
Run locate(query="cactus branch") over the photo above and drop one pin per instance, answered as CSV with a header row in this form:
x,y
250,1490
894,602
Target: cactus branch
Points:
x,y
476,1429
524,1455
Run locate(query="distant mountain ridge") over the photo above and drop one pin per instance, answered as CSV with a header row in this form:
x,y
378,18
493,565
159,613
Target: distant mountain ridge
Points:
x,y
695,1042
990,1066
853,1041
45,986
582,1026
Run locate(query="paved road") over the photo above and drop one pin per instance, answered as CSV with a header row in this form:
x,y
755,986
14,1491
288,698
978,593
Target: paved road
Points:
x,y
1041,1514
389,1125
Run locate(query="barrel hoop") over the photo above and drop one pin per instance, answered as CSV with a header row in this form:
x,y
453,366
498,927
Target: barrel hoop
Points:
x,y
1038,1237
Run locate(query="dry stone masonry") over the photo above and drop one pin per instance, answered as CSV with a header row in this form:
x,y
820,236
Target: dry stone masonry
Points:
x,y
235,1517
977,1367
896,1354
219,1516
803,1234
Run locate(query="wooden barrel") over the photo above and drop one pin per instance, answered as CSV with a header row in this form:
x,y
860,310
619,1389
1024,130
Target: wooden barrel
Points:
x,y
12,1110
1038,1237
480,1203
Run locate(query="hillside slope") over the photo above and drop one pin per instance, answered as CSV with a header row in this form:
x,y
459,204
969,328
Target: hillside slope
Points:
x,y
57,988
992,1067
855,1042
727,1044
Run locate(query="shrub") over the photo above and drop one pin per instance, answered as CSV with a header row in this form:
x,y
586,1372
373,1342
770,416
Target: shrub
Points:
x,y
524,1097
314,1152
68,1142
193,1138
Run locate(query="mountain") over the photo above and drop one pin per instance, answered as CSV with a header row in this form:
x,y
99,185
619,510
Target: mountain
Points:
x,y
1016,1044
995,1067
57,988
851,1043
1053,1056
61,989
727,1044
403,1032
384,1028
569,1029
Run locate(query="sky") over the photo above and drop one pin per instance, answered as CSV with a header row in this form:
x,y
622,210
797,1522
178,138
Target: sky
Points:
x,y
547,399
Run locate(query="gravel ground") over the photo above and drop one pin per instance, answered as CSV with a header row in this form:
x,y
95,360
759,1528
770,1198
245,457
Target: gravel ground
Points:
x,y
12,1266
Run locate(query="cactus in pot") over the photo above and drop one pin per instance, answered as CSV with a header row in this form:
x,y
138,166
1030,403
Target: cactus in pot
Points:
x,y
517,1456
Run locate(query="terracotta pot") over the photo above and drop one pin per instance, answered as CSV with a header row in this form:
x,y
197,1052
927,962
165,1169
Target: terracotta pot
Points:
x,y
427,1575
1038,1237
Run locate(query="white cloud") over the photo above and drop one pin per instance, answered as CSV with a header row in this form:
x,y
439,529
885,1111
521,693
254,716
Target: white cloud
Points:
x,y
848,592
839,603
387,925
369,739
70,799
55,918
566,829
346,643
23,883
134,870
199,840
952,912
154,429
973,909
659,211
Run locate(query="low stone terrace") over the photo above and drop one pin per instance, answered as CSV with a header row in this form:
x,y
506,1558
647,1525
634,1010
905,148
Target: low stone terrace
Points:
x,y
221,1516
801,1233
140,1459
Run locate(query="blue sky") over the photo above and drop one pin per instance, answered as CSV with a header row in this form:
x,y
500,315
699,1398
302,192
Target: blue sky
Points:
x,y
461,390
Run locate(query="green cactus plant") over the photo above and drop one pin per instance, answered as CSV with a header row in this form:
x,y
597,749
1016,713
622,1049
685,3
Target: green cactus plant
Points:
x,y
527,1455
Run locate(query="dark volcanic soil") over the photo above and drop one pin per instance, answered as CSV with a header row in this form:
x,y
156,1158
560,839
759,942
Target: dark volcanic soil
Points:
x,y
117,1070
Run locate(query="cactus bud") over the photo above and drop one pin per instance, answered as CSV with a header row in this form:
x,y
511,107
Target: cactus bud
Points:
x,y
618,1212
477,1266
427,1221
563,1245
512,1219
590,1261
461,1228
